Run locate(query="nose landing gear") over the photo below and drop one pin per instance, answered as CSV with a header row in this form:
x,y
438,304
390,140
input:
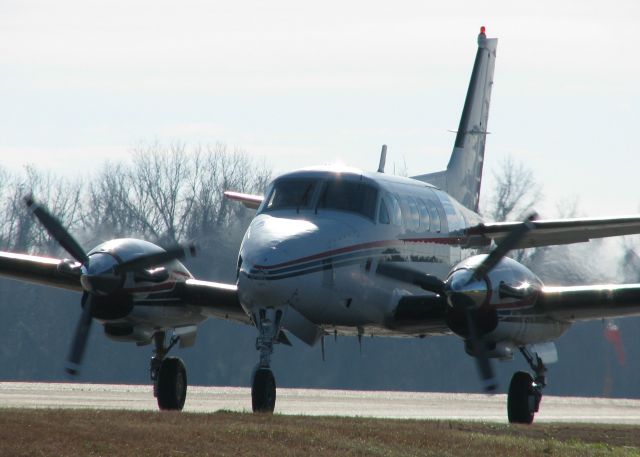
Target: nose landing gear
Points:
x,y
263,386
263,391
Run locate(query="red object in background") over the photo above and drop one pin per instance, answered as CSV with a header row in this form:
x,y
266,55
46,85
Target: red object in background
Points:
x,y
612,335
482,29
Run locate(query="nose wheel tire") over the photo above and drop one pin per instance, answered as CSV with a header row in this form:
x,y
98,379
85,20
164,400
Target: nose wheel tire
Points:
x,y
523,399
263,391
172,384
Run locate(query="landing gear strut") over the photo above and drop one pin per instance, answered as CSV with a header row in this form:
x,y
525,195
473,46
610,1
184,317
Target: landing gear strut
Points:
x,y
525,392
168,374
263,386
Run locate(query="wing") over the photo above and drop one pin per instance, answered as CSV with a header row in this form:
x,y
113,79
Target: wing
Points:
x,y
553,232
216,299
583,303
250,201
64,274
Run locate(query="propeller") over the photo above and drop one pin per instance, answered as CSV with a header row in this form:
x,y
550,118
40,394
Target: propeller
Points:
x,y
455,293
57,231
158,258
102,274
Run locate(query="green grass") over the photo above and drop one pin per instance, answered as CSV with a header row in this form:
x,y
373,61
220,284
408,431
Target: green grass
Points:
x,y
44,432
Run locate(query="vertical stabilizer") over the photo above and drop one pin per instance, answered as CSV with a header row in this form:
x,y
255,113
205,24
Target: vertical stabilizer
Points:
x,y
463,175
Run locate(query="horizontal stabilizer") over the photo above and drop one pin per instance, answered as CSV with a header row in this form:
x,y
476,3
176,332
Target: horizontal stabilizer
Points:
x,y
438,179
248,200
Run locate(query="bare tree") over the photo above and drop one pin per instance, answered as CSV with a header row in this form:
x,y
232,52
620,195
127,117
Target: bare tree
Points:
x,y
170,194
61,196
515,191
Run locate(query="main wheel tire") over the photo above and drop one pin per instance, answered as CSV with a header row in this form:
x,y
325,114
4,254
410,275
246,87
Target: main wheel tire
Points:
x,y
263,391
521,402
172,385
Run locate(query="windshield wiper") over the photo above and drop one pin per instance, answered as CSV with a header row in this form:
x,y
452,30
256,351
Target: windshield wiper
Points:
x,y
303,199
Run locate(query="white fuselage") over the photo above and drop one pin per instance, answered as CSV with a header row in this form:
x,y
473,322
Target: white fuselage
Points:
x,y
320,258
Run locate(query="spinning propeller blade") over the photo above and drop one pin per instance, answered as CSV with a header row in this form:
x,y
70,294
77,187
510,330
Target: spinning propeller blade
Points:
x,y
54,227
502,249
159,258
81,335
400,273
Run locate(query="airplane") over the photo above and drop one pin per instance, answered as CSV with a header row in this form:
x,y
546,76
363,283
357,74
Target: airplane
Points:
x,y
338,250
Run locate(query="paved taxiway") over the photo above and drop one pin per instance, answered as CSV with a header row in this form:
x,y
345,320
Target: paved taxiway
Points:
x,y
407,405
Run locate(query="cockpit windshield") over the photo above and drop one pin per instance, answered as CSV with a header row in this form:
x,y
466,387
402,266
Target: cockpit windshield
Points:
x,y
320,194
353,196
291,193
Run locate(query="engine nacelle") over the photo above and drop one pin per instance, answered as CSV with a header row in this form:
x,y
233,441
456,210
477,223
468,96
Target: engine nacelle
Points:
x,y
127,333
508,284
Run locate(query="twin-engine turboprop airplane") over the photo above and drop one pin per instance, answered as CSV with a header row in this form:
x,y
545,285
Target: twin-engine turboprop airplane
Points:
x,y
344,251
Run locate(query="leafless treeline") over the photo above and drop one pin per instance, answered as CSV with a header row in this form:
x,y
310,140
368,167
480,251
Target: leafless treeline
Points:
x,y
165,194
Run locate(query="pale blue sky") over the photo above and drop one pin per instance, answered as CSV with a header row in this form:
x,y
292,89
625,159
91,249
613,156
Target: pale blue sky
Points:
x,y
302,83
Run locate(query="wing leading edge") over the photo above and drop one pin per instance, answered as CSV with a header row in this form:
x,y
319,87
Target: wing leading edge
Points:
x,y
582,303
63,274
216,299
554,232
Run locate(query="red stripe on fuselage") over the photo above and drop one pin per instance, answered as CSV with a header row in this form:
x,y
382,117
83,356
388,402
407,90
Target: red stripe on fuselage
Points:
x,y
355,247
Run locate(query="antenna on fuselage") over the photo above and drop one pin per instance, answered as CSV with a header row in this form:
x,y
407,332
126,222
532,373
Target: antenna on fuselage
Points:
x,y
383,158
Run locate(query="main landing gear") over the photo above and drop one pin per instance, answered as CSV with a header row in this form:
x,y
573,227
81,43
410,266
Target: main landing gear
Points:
x,y
263,386
525,392
168,374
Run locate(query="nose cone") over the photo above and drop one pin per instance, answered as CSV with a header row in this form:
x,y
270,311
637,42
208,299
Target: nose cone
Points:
x,y
98,276
268,248
279,254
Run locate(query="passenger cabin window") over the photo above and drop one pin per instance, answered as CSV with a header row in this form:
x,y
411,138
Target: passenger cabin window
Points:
x,y
291,193
454,216
435,217
352,196
410,213
425,220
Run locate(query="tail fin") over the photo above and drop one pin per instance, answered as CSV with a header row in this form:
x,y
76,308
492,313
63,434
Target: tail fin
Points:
x,y
463,175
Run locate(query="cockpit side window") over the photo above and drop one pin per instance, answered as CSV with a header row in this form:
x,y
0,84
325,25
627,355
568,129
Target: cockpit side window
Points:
x,y
291,193
383,215
353,196
392,205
